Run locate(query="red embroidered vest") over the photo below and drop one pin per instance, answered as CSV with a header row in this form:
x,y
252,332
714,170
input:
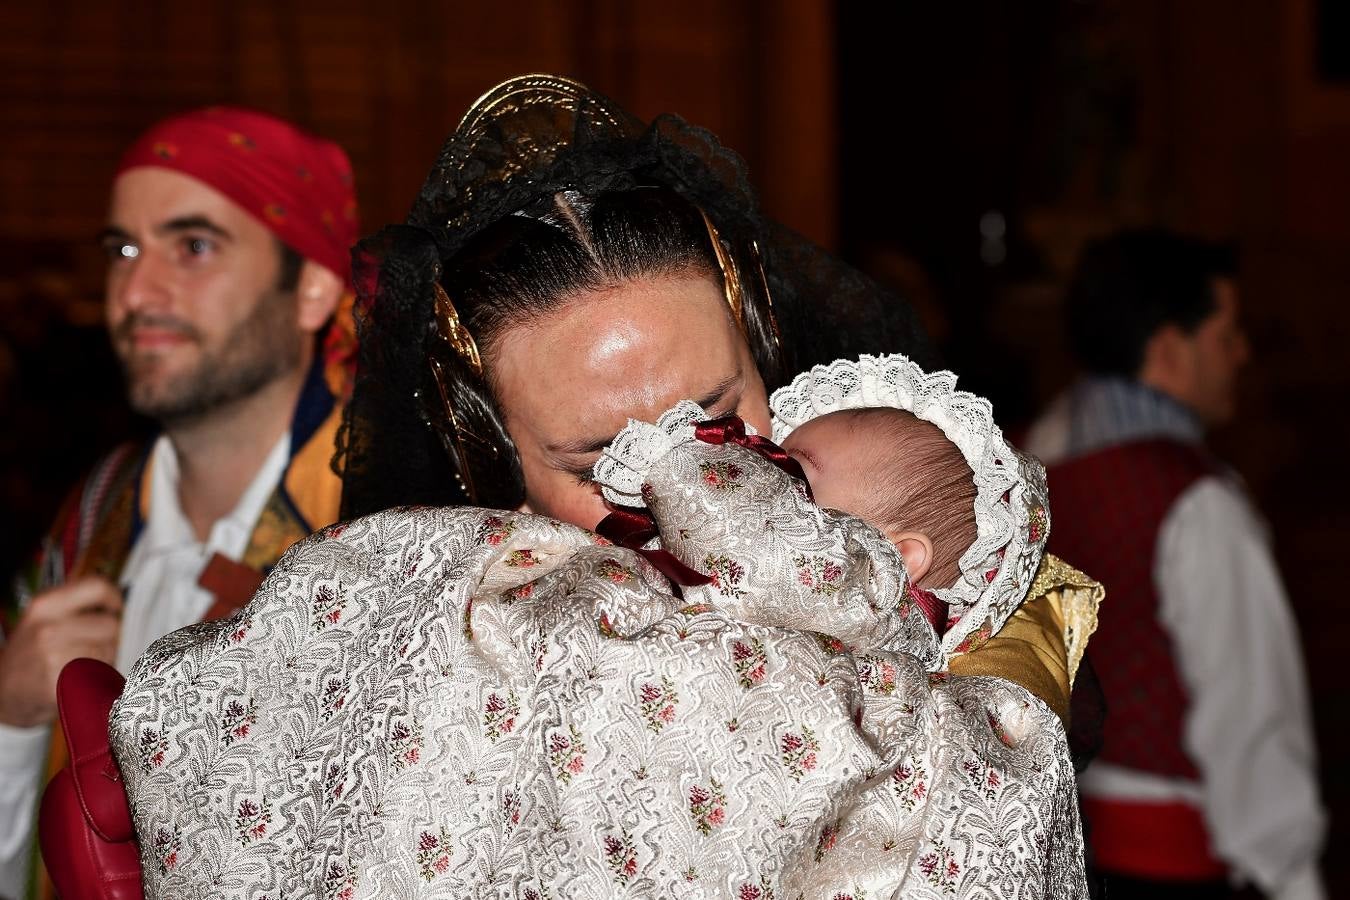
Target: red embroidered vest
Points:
x,y
1108,508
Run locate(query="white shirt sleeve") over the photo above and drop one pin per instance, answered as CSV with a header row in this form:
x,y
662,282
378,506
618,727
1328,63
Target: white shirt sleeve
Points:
x,y
1249,725
23,756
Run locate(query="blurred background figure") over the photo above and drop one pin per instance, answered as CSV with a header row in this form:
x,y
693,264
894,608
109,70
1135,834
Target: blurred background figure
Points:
x,y
1207,768
227,244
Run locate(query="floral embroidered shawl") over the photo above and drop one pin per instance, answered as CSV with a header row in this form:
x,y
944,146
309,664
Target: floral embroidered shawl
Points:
x,y
464,703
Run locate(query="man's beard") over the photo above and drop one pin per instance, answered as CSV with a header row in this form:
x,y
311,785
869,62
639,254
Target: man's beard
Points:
x,y
262,348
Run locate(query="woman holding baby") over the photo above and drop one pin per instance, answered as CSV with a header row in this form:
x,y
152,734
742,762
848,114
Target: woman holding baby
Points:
x,y
600,270
567,269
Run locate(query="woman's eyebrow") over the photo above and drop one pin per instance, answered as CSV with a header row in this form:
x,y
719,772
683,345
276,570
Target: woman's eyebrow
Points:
x,y
581,446
588,445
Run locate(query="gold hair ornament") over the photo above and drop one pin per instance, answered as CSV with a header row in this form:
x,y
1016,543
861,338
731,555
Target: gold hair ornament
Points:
x,y
731,275
459,437
455,334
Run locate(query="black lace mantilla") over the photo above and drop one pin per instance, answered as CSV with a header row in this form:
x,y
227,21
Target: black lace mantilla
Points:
x,y
528,139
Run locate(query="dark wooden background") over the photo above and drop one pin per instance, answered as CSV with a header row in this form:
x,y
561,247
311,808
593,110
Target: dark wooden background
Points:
x,y
882,130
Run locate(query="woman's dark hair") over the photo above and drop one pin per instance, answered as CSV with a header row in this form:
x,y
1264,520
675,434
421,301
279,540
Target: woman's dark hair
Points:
x,y
1128,286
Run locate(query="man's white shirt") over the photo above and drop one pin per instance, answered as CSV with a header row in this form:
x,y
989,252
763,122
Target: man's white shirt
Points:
x,y
159,582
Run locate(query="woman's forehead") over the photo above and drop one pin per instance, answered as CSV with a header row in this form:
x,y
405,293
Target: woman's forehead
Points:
x,y
627,352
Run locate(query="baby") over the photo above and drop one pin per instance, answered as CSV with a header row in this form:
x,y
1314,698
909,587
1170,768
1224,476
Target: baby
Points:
x,y
899,474
918,502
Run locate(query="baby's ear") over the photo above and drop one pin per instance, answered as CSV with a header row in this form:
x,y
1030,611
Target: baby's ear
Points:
x,y
916,549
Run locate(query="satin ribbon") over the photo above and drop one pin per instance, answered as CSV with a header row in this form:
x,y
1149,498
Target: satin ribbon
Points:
x,y
731,430
934,609
631,529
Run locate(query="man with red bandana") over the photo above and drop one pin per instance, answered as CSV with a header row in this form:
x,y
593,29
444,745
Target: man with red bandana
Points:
x,y
227,240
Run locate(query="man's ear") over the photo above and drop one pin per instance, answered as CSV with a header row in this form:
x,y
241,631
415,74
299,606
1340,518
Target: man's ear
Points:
x,y
916,549
1164,358
317,294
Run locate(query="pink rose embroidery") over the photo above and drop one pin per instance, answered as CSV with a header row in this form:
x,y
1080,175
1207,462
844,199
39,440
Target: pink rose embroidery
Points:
x,y
237,721
658,703
251,821
334,697
405,744
908,782
499,714
333,782
152,749
720,475
339,882
707,806
982,778
433,854
240,630
819,575
975,640
567,754
761,891
876,674
799,752
939,866
167,843
522,559
726,574
1039,524
750,659
831,645
828,836
621,856
494,531
614,571
327,606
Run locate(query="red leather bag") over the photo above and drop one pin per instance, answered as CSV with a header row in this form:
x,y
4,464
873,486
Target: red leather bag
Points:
x,y
84,827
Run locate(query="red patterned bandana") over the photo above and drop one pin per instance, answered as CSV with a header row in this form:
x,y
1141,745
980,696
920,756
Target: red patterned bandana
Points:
x,y
297,185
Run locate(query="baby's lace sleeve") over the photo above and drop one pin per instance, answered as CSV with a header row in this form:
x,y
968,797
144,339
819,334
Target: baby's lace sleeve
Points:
x,y
774,556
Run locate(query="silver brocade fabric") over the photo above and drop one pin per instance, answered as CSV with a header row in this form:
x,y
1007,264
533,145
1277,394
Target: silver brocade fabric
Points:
x,y
461,703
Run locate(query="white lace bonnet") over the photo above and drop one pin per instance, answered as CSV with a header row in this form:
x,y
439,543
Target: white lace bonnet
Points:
x,y
1011,509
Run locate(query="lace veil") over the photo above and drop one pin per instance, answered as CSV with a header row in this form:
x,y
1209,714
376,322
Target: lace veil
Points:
x,y
527,139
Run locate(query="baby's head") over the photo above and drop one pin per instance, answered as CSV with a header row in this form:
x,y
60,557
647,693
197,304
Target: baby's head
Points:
x,y
898,474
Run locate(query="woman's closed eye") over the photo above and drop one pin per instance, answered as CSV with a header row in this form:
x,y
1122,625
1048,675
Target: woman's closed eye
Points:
x,y
584,475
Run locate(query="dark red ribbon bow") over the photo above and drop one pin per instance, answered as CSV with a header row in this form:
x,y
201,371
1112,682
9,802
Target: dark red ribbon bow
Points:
x,y
631,528
731,430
